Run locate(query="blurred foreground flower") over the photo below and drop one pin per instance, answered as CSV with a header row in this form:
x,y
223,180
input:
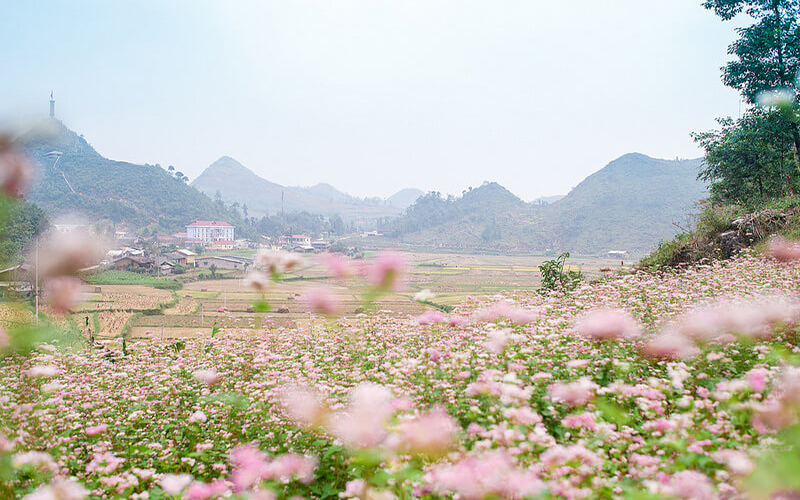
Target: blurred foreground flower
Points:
x,y
783,250
62,254
63,294
59,489
209,377
15,169
387,271
322,300
607,324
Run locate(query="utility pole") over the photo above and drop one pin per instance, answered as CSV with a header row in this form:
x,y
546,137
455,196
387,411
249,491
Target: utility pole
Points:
x,y
36,281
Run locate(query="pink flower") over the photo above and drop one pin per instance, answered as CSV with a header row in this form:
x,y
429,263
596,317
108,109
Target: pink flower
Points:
x,y
209,377
757,378
40,371
303,406
322,300
490,474
15,169
430,317
690,485
104,463
63,293
198,416
363,423
205,491
59,489
497,341
287,467
608,324
504,310
249,466
174,484
431,434
97,429
387,270
575,393
669,345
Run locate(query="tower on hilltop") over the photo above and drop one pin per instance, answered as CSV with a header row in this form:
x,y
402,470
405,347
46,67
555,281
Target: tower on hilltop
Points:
x,y
52,105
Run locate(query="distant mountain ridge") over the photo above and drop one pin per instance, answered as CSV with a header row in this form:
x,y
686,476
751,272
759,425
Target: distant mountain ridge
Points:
x,y
630,204
237,183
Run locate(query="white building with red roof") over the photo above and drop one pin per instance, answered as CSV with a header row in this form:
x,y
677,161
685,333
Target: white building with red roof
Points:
x,y
209,231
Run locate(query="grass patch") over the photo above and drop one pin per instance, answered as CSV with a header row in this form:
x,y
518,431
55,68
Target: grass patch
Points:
x,y
112,277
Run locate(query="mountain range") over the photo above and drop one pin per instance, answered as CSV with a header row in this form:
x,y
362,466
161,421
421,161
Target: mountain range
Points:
x,y
236,183
630,204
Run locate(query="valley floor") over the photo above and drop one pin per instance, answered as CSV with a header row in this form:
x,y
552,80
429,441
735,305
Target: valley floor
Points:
x,y
499,397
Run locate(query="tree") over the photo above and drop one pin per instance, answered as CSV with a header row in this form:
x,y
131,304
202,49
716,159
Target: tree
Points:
x,y
748,160
171,168
767,52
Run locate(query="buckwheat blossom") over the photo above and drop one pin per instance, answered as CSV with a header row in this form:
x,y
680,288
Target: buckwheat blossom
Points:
x,y
249,466
174,484
204,491
207,376
432,434
575,393
489,474
669,345
96,430
386,271
35,459
431,317
607,324
689,485
363,423
291,466
738,462
303,405
497,340
354,489
504,310
63,294
322,300
198,417
42,371
16,171
104,463
59,489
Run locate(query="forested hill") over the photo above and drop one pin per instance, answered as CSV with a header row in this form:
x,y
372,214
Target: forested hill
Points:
x,y
85,182
631,204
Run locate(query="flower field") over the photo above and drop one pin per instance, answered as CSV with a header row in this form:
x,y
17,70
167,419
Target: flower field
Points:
x,y
639,386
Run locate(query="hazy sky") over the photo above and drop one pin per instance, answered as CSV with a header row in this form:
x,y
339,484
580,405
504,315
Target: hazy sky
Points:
x,y
374,96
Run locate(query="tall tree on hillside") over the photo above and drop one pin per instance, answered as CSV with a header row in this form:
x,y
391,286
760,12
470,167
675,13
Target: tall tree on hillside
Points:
x,y
767,52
